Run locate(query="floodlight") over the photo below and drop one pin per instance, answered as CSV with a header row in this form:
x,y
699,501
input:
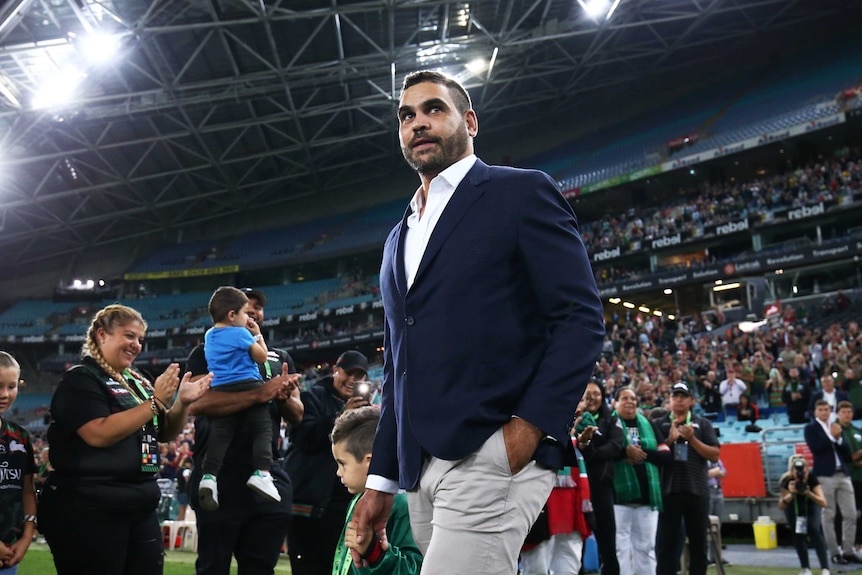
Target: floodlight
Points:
x,y
597,9
628,304
644,309
668,291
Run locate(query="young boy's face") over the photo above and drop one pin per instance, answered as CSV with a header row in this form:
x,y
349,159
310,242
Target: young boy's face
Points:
x,y
240,318
352,473
8,387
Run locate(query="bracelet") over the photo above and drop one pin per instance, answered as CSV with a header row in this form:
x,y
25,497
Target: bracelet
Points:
x,y
258,337
161,404
154,407
374,554
30,519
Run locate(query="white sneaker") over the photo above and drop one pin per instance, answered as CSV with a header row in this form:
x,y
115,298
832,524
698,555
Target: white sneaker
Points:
x,y
261,481
824,572
805,572
208,492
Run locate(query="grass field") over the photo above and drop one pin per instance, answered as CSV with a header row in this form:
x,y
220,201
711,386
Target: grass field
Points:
x,y
38,562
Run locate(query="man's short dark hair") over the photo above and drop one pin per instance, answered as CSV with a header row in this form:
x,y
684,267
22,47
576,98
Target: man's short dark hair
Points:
x,y
820,402
356,428
459,94
225,300
844,404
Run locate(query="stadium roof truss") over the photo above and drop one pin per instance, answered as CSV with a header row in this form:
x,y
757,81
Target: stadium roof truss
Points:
x,y
214,105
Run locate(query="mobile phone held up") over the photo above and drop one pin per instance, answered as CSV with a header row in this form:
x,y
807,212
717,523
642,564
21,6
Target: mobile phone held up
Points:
x,y
362,389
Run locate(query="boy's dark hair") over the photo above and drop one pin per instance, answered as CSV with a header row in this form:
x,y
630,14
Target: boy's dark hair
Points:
x,y
456,90
225,300
844,404
356,428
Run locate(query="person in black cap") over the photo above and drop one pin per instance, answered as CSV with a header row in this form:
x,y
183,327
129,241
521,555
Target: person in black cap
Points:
x,y
245,526
685,488
320,500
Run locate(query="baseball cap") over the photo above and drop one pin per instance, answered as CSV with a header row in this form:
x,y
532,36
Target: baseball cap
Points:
x,y
352,359
255,293
680,387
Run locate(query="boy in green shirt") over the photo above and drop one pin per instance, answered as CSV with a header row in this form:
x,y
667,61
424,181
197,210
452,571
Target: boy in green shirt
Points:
x,y
352,440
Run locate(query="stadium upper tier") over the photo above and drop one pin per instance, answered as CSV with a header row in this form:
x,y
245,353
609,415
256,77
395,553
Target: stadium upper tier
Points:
x,y
696,214
799,90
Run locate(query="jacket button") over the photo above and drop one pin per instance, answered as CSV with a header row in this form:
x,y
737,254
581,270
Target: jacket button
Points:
x,y
409,320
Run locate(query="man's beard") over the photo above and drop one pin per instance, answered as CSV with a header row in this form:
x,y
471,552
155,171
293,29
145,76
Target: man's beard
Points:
x,y
448,151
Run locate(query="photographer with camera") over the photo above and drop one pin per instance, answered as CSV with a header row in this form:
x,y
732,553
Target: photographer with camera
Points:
x,y
832,462
802,499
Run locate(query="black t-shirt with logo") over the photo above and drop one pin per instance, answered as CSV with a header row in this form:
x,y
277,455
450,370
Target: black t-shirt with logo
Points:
x,y
109,476
16,462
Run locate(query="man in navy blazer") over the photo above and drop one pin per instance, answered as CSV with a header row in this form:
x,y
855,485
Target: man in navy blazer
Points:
x,y
831,456
493,327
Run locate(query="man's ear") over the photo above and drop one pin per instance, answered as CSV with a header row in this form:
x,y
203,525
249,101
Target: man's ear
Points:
x,y
472,122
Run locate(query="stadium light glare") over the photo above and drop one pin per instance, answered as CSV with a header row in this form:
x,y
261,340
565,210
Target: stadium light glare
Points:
x,y
476,65
668,291
99,49
628,304
671,317
657,313
58,90
599,9
644,309
614,300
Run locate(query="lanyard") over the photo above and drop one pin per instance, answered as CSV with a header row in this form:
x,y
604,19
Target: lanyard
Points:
x,y
342,566
142,390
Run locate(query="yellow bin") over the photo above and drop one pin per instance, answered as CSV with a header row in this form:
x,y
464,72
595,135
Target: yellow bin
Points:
x,y
765,536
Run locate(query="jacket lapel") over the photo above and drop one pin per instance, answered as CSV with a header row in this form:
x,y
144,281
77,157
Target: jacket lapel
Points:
x,y
467,192
398,256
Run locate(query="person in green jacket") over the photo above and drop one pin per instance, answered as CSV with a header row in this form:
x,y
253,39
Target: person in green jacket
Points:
x,y
352,442
852,436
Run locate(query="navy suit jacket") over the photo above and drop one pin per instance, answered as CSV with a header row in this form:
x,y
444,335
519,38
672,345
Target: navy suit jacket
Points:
x,y
503,319
823,449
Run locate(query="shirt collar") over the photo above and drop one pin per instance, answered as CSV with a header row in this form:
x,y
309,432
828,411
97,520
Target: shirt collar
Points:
x,y
451,175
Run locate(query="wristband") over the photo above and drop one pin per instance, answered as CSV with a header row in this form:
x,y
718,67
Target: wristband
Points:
x,y
374,554
258,337
30,519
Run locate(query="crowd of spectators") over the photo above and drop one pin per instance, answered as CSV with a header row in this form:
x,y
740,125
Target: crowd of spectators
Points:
x,y
777,367
712,204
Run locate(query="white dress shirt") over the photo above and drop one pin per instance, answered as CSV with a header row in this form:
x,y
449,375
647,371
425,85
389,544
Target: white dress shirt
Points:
x,y
420,227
